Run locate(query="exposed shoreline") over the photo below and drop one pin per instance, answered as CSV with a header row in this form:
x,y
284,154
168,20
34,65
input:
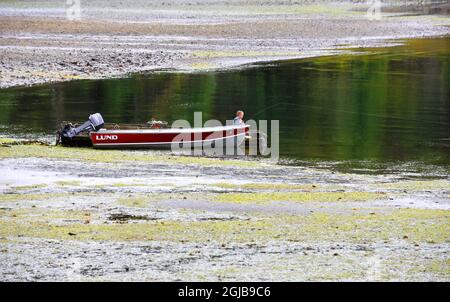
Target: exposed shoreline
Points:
x,y
116,42
128,215
82,214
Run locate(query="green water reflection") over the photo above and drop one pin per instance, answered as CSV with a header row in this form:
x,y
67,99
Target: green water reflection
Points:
x,y
387,104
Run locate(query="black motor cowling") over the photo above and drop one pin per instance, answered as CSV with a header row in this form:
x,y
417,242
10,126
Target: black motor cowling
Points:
x,y
94,123
68,132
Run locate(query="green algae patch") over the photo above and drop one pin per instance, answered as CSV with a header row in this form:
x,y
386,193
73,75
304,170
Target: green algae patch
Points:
x,y
66,183
206,161
305,9
27,197
134,201
439,267
28,187
145,200
202,65
267,186
264,198
413,225
115,156
30,215
16,197
160,231
125,185
419,185
410,225
261,198
5,141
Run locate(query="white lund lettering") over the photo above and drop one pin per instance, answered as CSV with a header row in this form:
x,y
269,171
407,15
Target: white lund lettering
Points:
x,y
105,137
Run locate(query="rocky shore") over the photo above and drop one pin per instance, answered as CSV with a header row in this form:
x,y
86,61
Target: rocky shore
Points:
x,y
39,43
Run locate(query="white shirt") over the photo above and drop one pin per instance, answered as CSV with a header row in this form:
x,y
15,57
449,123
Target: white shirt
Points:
x,y
238,121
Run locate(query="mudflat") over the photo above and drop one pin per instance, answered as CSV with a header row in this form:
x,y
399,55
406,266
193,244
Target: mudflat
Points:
x,y
84,214
39,43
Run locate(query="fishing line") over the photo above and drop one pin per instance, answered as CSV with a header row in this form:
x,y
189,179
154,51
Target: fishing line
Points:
x,y
345,111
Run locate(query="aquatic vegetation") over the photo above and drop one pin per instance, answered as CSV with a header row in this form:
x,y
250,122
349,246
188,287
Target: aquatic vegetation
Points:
x,y
267,186
64,183
115,156
262,198
26,197
5,140
412,225
202,65
435,266
341,10
320,230
124,185
418,185
16,197
37,214
144,200
28,187
134,201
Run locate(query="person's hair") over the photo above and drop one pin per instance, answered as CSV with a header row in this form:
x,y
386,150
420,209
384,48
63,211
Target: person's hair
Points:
x,y
239,112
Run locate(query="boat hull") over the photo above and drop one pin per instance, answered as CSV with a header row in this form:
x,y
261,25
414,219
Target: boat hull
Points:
x,y
169,138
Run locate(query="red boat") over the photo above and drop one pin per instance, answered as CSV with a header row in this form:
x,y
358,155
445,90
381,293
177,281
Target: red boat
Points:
x,y
150,135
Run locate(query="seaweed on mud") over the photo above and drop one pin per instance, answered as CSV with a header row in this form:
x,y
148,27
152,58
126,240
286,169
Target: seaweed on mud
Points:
x,y
412,225
28,187
267,197
230,218
267,186
123,218
116,156
13,197
418,185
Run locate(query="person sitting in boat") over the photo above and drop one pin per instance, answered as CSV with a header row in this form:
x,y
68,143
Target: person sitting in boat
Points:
x,y
238,120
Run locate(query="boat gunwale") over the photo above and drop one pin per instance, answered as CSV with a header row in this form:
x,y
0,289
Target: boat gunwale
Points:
x,y
170,130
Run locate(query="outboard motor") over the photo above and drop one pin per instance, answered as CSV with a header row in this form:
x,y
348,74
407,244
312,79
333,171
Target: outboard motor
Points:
x,y
67,135
94,123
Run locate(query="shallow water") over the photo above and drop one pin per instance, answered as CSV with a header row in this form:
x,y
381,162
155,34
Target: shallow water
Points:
x,y
387,104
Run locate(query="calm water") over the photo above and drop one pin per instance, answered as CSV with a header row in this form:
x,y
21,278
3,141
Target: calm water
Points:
x,y
385,105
